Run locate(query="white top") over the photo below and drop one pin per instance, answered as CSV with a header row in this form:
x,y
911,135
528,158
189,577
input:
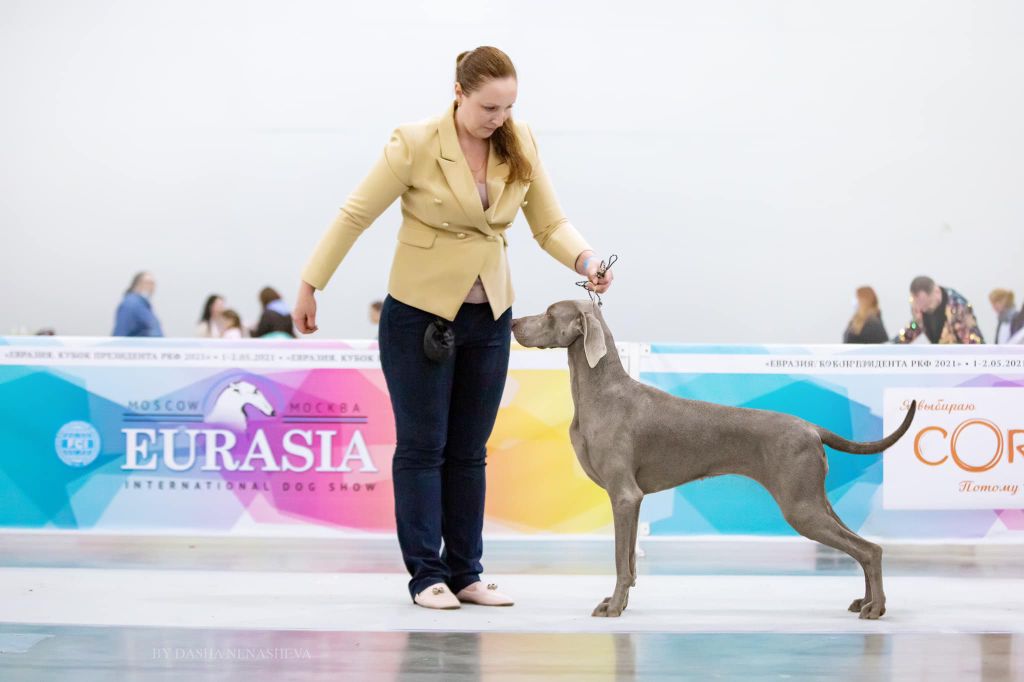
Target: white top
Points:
x,y
481,187
208,330
477,293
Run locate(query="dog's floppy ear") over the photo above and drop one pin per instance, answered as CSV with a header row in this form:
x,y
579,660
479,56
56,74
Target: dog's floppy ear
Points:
x,y
593,339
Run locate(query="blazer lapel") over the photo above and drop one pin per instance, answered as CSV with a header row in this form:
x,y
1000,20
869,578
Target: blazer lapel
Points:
x,y
456,172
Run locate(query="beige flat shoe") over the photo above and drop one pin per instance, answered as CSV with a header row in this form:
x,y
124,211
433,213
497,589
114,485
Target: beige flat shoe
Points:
x,y
437,596
484,596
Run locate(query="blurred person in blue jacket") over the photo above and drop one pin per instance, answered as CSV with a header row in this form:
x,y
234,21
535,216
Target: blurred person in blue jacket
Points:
x,y
135,316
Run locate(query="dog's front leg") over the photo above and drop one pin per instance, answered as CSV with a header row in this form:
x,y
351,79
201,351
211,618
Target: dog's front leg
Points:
x,y
625,513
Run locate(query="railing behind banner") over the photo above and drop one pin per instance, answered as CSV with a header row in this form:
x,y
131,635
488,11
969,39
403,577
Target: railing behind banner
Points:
x,y
296,437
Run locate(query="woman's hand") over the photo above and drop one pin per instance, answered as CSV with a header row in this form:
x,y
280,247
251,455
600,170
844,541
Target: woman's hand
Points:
x,y
304,313
590,265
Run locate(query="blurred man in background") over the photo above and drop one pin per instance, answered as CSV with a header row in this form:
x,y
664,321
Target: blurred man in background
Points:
x,y
135,316
941,315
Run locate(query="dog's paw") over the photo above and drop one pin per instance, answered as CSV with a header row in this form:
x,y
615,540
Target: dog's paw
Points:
x,y
855,606
605,610
872,611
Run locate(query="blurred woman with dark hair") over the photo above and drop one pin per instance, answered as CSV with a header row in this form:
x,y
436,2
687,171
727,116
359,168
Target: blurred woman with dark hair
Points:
x,y
211,322
276,319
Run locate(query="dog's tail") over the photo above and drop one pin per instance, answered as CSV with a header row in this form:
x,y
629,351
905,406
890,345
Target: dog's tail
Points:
x,y
860,448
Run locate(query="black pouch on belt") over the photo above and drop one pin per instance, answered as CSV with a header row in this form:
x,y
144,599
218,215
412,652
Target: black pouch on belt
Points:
x,y
439,340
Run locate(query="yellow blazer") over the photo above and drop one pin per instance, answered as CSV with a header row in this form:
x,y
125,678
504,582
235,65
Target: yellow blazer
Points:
x,y
446,239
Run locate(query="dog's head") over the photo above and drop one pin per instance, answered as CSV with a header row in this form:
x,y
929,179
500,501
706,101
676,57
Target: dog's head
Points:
x,y
562,325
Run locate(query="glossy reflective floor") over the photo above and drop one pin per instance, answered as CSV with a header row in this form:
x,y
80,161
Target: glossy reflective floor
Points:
x,y
115,653
89,607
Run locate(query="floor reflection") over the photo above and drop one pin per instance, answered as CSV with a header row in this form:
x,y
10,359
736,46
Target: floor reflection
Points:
x,y
114,653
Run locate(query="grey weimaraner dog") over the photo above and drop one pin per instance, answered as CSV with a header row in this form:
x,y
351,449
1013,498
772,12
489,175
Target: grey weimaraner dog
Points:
x,y
633,439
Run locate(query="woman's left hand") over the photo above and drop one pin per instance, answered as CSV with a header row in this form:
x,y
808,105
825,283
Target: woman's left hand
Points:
x,y
598,284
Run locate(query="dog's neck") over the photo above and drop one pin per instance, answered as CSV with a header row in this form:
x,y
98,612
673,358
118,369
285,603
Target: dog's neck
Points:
x,y
607,369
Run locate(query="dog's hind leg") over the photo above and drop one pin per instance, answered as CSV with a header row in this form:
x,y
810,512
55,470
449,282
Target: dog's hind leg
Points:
x,y
857,604
805,506
626,497
869,556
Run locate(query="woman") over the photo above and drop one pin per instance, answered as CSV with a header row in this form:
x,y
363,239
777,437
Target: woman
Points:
x,y
462,178
1005,309
276,319
211,323
866,324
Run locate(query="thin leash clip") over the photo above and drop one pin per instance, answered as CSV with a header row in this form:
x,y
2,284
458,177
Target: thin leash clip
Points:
x,y
604,268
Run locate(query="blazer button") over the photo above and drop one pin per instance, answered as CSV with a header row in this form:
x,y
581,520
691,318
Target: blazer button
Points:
x,y
490,238
525,202
445,225
509,225
462,235
437,200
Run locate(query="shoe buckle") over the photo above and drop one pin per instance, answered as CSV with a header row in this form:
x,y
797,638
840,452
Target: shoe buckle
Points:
x,y
492,586
438,590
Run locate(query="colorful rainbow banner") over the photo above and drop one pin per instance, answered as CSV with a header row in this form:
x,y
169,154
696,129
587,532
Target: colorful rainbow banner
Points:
x,y
290,437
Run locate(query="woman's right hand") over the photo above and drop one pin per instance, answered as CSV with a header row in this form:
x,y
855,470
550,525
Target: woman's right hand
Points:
x,y
304,313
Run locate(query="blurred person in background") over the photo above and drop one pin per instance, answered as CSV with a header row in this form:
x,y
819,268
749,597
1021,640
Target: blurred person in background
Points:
x,y
135,316
1017,328
374,315
1005,308
276,318
375,308
866,324
232,325
211,323
941,315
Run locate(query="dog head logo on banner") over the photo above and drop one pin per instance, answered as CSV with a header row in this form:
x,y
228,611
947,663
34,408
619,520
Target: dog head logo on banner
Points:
x,y
243,432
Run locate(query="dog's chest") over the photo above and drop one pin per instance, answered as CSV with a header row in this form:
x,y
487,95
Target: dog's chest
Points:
x,y
579,445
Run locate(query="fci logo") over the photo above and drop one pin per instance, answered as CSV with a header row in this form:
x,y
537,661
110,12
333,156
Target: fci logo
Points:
x,y
974,431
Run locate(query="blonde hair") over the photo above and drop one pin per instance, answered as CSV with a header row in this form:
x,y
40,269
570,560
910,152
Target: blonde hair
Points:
x,y
867,308
475,67
1003,296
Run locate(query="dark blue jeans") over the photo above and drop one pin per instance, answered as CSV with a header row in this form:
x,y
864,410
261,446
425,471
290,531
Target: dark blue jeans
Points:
x,y
444,414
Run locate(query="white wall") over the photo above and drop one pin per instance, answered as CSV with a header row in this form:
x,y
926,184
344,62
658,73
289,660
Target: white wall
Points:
x,y
752,162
